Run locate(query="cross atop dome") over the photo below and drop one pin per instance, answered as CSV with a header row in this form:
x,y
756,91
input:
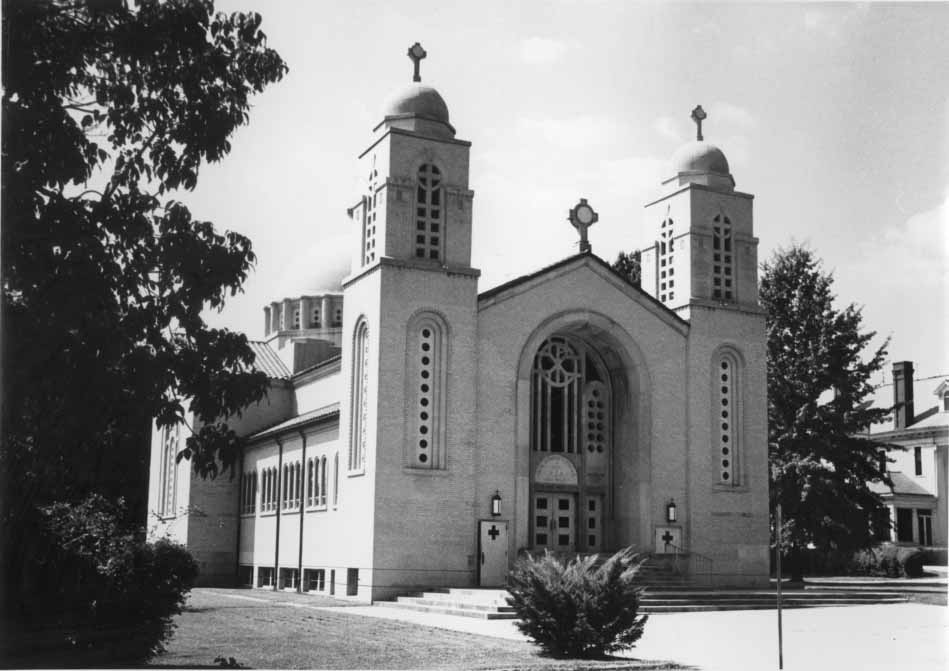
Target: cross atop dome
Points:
x,y
417,53
698,116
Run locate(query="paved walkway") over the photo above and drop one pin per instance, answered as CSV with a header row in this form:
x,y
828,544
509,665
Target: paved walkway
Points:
x,y
895,636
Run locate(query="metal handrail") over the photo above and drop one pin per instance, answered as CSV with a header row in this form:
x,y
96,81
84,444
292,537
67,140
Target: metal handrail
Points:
x,y
704,559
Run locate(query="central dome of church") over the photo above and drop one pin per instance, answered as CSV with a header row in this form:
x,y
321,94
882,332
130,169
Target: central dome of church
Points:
x,y
419,101
699,156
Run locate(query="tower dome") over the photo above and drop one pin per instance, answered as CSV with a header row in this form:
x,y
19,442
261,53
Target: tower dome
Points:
x,y
700,156
418,100
700,162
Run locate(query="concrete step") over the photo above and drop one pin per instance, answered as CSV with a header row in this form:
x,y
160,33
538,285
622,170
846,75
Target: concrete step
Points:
x,y
455,604
447,610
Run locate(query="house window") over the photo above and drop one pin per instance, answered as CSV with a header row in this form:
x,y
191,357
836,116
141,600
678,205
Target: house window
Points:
x,y
918,459
722,259
323,481
666,260
245,576
904,525
296,318
360,403
369,219
315,318
427,375
428,213
336,478
725,418
289,578
925,519
169,471
338,317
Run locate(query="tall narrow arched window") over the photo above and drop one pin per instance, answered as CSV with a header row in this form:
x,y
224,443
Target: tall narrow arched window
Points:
x,y
666,261
726,416
369,219
428,213
360,402
323,481
426,397
336,478
309,482
723,267
169,462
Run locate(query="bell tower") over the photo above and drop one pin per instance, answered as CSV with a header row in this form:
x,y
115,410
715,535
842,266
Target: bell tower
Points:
x,y
705,251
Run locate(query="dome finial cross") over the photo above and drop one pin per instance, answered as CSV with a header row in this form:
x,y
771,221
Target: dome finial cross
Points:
x,y
698,116
417,53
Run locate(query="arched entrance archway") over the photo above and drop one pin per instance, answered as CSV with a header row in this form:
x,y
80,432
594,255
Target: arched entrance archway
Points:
x,y
592,353
571,445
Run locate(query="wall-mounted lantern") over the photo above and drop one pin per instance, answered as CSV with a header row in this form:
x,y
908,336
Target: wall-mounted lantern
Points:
x,y
496,504
671,511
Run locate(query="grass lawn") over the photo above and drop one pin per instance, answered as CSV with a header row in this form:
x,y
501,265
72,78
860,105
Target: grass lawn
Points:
x,y
262,629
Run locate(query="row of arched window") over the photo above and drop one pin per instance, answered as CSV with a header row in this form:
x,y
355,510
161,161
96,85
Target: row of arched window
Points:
x,y
286,488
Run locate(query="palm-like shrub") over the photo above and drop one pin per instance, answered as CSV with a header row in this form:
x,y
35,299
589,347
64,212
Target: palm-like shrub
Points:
x,y
574,608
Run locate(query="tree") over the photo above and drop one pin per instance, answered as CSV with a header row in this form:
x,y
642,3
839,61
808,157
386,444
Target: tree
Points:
x,y
821,464
628,265
107,111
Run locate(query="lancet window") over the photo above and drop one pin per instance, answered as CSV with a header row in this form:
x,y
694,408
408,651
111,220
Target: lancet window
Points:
x,y
360,402
169,471
725,421
428,213
427,375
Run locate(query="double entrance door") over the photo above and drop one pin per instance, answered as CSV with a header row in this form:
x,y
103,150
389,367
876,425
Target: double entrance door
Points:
x,y
567,521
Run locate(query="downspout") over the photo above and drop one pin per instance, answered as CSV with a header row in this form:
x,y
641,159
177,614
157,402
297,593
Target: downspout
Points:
x,y
280,485
303,492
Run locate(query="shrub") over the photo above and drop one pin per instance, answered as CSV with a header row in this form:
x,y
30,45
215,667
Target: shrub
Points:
x,y
96,590
888,560
575,609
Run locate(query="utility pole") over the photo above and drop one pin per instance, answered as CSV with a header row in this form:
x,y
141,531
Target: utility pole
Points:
x,y
778,525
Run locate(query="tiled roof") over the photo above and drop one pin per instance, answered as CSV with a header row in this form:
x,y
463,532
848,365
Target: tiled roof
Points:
x,y
300,420
268,362
902,484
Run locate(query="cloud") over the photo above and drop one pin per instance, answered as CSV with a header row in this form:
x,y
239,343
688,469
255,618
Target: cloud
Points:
x,y
577,133
734,115
668,127
542,50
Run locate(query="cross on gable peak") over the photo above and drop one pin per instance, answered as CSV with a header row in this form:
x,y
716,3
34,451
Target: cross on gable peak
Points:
x,y
417,53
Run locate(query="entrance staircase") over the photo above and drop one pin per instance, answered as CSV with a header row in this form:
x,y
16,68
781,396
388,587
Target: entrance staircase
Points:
x,y
667,590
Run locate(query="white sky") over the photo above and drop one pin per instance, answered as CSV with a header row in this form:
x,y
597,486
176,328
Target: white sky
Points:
x,y
836,117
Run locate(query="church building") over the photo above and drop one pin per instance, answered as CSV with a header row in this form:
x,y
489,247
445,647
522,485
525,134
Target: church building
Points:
x,y
419,433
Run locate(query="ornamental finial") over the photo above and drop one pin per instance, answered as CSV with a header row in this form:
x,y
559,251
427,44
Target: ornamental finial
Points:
x,y
698,116
417,53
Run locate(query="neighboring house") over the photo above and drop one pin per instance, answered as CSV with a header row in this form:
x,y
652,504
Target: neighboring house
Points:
x,y
419,433
920,425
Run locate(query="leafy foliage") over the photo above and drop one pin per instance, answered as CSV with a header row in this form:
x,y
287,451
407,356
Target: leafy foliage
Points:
x,y
628,265
107,111
888,560
820,462
103,595
575,609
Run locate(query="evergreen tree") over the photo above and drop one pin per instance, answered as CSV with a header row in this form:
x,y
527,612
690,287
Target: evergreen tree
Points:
x,y
628,265
818,384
